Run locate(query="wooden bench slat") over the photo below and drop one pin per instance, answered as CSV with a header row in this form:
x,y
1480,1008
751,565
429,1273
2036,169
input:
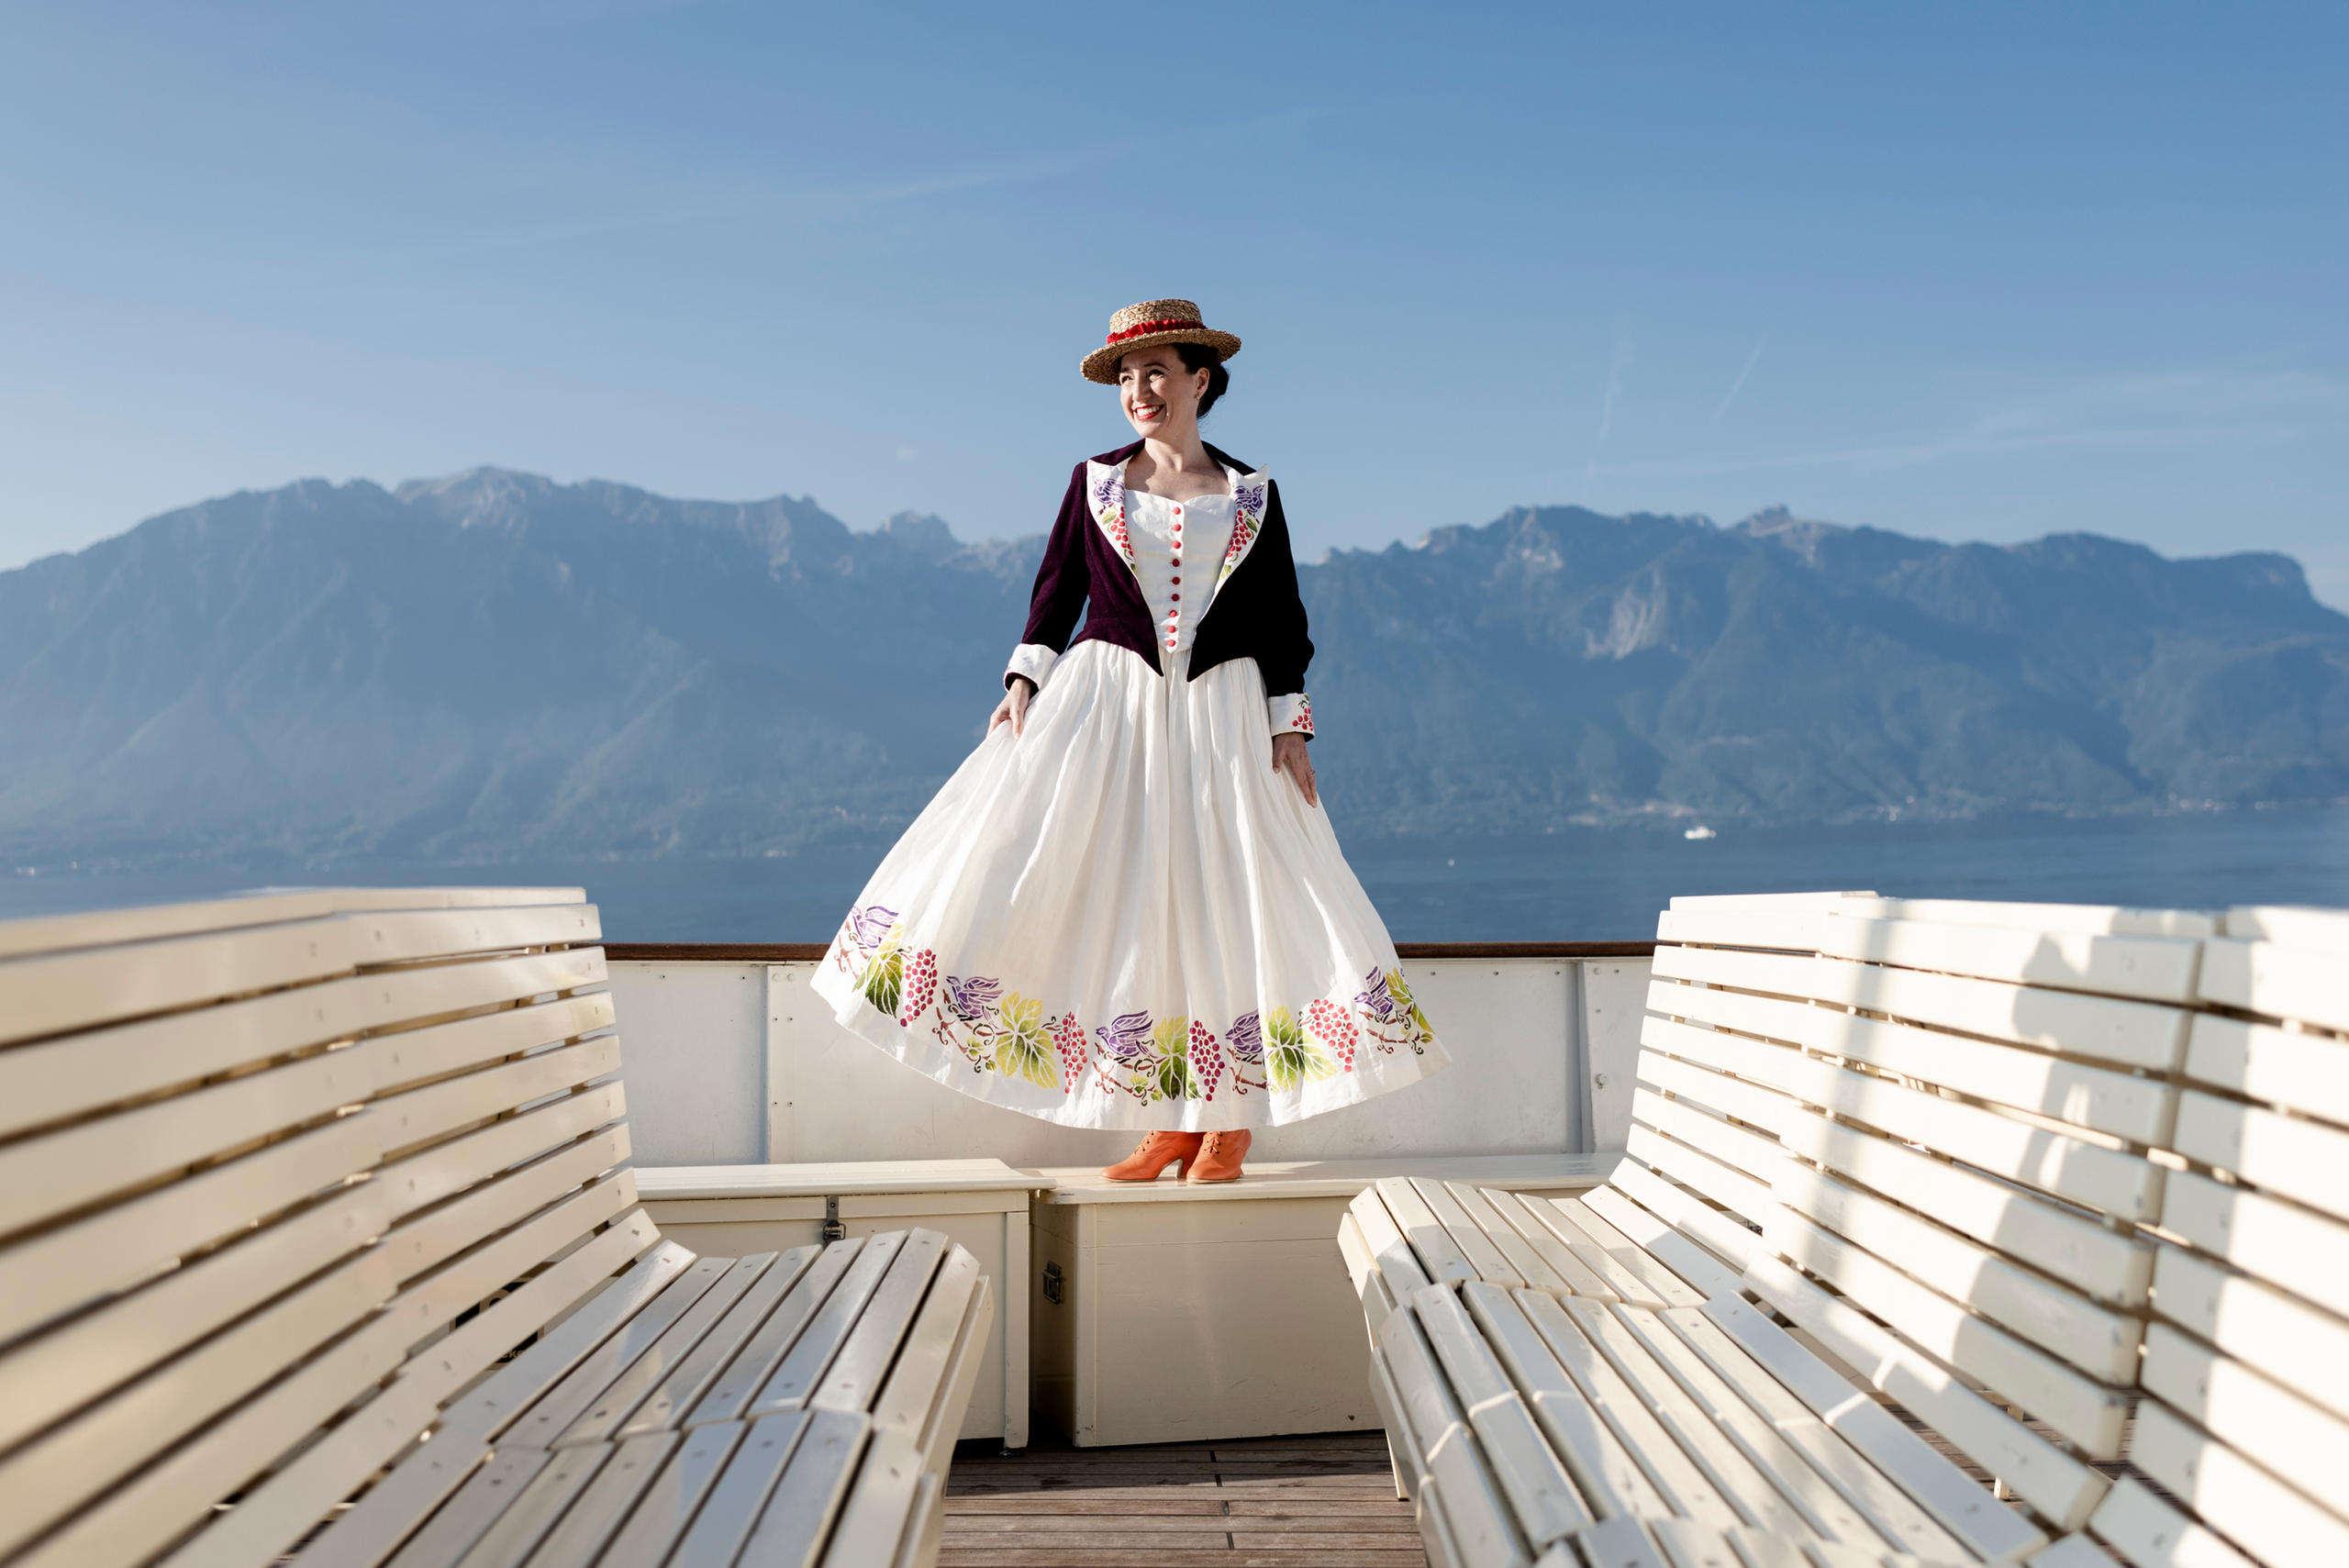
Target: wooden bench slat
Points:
x,y
2090,1414
53,992
740,1383
2267,1422
2302,982
1559,1217
1466,1235
1889,1508
1787,1468
1404,1449
796,1381
1688,1166
41,1483
2302,1348
2097,1339
2291,1248
925,1527
1542,1499
237,911
1755,1550
2149,1533
1435,1529
432,1300
853,1380
2263,1062
114,1248
2288,1155
1716,1091
1955,1502
50,1375
925,1361
943,1424
2272,1520
1686,1489
402,936
1687,1544
1607,1480
1681,1273
1780,1019
426,1241
807,1500
880,1514
685,1386
1574,1276
418,1115
2062,1488
1362,1272
469,1515
409,1056
1719,1232
578,1537
1439,1254
280,1509
2150,968
1477,1524
1747,1488
432,993
1748,1153
726,1519
377,1522
461,1165
2137,1034
1427,1403
673,1495
81,1073
1523,1260
1619,1544
2111,1267
2115,918
550,1413
541,1505
618,1399
170,1496
1384,1236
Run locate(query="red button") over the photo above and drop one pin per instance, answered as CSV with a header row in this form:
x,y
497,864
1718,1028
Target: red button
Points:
x,y
1178,579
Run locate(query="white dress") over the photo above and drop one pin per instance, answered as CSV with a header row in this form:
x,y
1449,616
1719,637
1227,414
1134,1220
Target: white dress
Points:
x,y
1123,918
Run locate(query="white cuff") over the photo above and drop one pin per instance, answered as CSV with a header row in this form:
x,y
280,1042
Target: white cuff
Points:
x,y
1033,660
1292,713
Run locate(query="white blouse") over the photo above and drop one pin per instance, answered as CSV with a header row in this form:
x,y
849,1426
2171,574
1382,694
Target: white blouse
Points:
x,y
1167,534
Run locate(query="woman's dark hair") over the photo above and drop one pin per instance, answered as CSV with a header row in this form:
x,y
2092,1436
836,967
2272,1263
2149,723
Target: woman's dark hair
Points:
x,y
1199,357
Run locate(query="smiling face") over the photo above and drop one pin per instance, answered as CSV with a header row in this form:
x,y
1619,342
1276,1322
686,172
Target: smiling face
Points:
x,y
1160,398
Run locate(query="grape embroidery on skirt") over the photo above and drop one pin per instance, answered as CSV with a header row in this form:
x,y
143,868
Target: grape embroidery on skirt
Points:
x,y
1152,1060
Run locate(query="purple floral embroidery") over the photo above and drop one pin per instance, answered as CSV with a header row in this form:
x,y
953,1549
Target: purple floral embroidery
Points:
x,y
1249,498
973,998
1245,1038
869,926
1378,1002
1107,491
1128,1039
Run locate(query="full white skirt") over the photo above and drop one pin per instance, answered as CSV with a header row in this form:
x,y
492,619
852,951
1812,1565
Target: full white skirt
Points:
x,y
1125,918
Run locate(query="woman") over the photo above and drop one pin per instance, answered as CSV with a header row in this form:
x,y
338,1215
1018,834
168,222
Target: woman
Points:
x,y
1127,909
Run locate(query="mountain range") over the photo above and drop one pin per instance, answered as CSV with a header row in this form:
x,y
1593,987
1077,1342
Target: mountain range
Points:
x,y
494,665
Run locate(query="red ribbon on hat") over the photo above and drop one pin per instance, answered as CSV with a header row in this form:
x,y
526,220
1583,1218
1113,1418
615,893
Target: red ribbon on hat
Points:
x,y
1170,323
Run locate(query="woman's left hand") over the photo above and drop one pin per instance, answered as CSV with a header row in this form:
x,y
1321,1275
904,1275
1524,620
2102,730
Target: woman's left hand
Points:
x,y
1288,757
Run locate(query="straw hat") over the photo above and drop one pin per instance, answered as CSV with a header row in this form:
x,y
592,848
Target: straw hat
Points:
x,y
1151,322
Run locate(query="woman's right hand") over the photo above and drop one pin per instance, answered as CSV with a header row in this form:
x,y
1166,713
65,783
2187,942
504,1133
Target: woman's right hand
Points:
x,y
1019,692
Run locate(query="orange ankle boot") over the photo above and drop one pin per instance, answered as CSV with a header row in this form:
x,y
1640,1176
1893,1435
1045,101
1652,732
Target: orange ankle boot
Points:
x,y
1218,1157
1158,1150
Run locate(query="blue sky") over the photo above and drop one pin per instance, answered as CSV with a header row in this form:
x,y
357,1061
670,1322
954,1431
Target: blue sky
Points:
x,y
1978,271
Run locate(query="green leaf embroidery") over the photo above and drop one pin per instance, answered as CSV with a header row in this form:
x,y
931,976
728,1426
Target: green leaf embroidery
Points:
x,y
1290,1059
1025,1048
884,980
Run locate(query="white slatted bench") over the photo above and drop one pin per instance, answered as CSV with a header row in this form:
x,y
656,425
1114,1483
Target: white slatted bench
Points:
x,y
317,1235
2087,1166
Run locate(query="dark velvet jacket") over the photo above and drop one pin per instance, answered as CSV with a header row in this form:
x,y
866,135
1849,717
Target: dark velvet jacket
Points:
x,y
1255,613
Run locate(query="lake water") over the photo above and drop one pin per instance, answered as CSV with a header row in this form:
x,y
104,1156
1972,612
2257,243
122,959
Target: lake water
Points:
x,y
1582,884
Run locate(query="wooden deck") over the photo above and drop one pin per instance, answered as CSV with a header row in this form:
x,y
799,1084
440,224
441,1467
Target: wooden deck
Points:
x,y
1311,1502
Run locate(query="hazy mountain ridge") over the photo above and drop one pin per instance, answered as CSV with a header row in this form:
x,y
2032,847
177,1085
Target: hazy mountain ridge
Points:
x,y
494,663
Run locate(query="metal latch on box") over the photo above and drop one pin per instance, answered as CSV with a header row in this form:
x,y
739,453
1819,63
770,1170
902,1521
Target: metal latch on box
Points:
x,y
833,1229
1052,1282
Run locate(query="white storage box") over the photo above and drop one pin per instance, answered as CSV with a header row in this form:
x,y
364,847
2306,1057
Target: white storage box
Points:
x,y
1171,1313
735,1210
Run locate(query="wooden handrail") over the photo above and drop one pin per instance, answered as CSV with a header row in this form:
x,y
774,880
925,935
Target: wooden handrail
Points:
x,y
803,952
